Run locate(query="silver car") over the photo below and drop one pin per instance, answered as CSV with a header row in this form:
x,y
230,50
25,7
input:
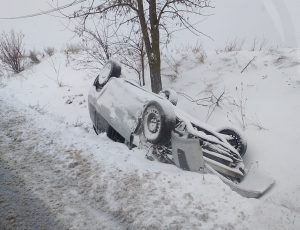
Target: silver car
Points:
x,y
131,114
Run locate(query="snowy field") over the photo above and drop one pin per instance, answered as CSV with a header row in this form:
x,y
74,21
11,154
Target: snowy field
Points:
x,y
45,111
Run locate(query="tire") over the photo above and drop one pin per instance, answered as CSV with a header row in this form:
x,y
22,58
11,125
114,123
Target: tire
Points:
x,y
157,123
114,135
170,94
109,70
236,140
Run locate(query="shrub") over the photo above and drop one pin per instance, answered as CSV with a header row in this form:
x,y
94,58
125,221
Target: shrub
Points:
x,y
258,45
33,57
199,52
49,51
12,51
234,45
72,49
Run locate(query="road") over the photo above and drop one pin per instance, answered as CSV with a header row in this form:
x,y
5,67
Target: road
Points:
x,y
39,190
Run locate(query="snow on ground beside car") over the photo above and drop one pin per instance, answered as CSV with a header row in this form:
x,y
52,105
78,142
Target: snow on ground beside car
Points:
x,y
136,192
54,87
264,100
147,193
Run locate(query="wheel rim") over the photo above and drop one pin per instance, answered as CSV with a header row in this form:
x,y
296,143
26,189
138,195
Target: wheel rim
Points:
x,y
152,123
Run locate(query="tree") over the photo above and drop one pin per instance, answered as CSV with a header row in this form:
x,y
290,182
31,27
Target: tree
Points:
x,y
101,42
133,55
97,45
12,51
151,18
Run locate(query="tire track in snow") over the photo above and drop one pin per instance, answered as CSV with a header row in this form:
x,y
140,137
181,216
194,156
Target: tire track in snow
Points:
x,y
84,192
53,188
19,208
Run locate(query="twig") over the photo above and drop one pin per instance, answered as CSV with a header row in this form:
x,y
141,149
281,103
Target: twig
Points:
x,y
214,105
219,98
212,101
197,101
248,64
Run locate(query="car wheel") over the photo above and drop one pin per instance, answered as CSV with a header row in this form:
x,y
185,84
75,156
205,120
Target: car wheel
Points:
x,y
157,123
109,70
170,94
114,135
235,139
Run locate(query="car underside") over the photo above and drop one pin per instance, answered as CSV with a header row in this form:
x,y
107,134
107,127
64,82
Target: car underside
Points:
x,y
130,114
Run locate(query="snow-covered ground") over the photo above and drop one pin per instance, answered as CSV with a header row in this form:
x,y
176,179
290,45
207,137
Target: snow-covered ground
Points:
x,y
123,184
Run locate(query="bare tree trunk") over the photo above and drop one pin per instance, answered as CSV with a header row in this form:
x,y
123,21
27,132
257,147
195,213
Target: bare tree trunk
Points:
x,y
143,68
154,60
156,85
152,44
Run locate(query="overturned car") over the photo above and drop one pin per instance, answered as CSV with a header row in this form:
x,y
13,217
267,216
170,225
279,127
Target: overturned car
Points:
x,y
130,114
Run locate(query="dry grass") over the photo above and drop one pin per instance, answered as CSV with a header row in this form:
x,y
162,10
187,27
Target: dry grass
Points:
x,y
34,57
72,49
49,51
199,53
258,45
234,45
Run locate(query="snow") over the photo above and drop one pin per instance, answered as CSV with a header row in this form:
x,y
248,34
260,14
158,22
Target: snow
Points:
x,y
263,101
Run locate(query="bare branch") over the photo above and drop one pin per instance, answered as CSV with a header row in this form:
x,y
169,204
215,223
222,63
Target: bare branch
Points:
x,y
12,51
248,64
149,18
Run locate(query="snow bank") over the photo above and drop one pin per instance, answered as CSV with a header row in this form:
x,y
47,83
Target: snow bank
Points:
x,y
263,100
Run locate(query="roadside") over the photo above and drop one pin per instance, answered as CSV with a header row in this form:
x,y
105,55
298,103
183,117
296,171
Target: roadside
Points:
x,y
88,182
35,193
19,208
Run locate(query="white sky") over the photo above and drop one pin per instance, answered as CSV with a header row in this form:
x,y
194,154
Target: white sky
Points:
x,y
41,31
272,20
